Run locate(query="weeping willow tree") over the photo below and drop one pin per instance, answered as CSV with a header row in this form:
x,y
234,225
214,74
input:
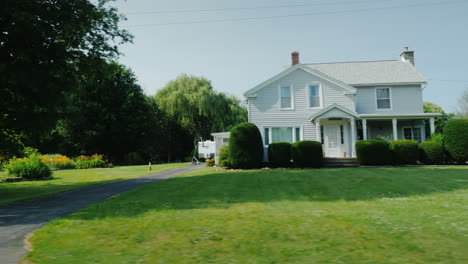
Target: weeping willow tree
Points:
x,y
198,108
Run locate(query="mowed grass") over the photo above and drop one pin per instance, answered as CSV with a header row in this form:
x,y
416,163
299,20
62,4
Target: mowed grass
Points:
x,y
361,215
65,180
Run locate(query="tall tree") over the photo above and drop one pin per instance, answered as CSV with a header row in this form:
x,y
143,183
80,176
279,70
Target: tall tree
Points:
x,y
462,110
197,107
440,121
41,45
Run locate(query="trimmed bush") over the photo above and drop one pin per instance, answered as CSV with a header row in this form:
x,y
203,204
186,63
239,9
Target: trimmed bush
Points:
x,y
29,168
373,152
210,162
405,152
307,154
456,139
223,157
432,152
279,154
245,146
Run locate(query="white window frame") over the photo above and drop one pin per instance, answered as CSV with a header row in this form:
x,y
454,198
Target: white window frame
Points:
x,y
412,133
270,133
320,94
390,97
292,96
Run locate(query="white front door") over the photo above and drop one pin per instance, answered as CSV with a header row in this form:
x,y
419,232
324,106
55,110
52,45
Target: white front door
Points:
x,y
332,141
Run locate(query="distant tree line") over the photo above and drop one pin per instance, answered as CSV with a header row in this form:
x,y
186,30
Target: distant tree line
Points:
x,y
61,90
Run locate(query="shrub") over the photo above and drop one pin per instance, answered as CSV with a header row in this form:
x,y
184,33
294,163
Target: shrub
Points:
x,y
245,146
307,154
405,151
29,168
210,162
223,157
373,152
279,154
28,151
432,152
456,139
57,161
93,161
437,137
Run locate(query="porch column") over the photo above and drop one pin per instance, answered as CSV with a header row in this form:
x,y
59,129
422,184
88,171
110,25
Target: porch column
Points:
x,y
353,136
431,122
395,131
317,126
364,129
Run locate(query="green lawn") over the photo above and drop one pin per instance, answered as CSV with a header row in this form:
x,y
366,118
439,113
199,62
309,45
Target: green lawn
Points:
x,y
362,215
65,180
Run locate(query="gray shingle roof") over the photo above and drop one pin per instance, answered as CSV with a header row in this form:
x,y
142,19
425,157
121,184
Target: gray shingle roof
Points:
x,y
371,72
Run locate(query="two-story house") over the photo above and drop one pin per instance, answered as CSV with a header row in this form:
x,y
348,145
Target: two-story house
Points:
x,y
339,103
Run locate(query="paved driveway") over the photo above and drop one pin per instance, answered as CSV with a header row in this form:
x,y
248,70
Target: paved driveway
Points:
x,y
19,219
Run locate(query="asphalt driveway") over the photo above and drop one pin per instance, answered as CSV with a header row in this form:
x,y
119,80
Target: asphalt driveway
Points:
x,y
19,219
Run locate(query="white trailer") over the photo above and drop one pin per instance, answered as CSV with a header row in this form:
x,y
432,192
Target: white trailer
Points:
x,y
206,149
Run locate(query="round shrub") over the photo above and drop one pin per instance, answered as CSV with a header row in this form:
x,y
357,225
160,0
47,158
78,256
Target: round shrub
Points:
x,y
405,151
29,168
279,154
307,154
245,146
456,139
373,152
223,157
432,152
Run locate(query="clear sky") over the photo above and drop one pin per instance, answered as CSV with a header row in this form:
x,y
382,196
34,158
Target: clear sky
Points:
x,y
249,41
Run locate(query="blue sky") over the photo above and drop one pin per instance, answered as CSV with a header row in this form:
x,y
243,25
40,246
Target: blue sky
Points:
x,y
237,55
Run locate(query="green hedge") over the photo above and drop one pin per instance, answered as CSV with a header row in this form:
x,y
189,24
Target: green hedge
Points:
x,y
29,168
307,154
223,158
373,152
245,146
279,154
456,139
405,152
432,152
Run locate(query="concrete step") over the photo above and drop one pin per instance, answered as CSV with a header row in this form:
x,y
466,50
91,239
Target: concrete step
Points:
x,y
340,162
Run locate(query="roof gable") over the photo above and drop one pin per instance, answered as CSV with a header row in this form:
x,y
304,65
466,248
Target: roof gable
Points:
x,y
347,112
251,92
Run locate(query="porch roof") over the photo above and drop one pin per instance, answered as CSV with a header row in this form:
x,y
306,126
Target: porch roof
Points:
x,y
343,112
399,116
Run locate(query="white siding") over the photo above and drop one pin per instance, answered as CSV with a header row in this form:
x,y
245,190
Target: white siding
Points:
x,y
404,100
265,109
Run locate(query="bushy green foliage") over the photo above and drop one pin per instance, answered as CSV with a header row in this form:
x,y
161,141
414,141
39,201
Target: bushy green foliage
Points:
x,y
307,154
405,152
373,152
279,154
31,167
245,146
437,137
432,152
210,162
456,139
223,157
94,161
58,162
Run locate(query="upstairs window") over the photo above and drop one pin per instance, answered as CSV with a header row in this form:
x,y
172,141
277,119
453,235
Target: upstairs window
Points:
x,y
383,98
286,97
314,96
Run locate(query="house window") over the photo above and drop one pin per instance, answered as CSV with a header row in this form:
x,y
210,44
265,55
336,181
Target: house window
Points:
x,y
314,96
412,133
383,98
282,134
286,97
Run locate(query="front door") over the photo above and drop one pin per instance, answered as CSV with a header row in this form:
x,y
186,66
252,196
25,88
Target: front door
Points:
x,y
332,141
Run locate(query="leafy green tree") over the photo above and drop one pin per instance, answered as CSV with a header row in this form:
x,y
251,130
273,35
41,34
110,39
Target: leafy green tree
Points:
x,y
198,108
440,121
462,111
42,43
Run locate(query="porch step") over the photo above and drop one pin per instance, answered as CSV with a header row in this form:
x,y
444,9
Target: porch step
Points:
x,y
340,162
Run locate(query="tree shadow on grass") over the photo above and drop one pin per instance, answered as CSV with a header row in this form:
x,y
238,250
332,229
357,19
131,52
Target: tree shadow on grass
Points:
x,y
225,189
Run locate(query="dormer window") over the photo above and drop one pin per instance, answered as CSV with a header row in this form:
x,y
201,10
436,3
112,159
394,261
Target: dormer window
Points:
x,y
286,97
315,94
383,98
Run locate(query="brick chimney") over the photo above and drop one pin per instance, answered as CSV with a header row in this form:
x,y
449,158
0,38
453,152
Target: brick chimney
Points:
x,y
295,58
407,56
